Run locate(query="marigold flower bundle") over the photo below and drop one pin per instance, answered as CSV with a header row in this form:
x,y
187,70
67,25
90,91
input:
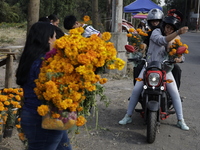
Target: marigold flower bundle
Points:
x,y
10,100
68,78
177,49
136,39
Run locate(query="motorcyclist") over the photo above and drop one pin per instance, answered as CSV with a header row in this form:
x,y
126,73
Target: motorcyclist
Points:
x,y
157,52
154,20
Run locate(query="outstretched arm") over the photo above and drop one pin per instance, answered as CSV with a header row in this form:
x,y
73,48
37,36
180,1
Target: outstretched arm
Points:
x,y
178,32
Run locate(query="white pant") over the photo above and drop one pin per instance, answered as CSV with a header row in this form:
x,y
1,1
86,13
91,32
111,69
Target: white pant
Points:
x,y
171,88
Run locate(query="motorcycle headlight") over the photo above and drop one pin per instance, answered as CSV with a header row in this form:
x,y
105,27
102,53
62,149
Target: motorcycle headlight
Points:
x,y
154,79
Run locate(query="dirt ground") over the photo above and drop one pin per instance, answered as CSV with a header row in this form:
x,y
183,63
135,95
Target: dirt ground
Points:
x,y
107,134
116,87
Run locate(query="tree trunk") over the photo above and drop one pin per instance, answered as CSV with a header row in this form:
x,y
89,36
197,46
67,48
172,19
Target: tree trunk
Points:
x,y
33,13
95,14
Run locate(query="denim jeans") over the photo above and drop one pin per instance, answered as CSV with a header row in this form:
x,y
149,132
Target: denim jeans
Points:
x,y
42,139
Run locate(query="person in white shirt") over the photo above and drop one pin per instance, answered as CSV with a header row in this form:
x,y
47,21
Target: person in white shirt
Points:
x,y
70,22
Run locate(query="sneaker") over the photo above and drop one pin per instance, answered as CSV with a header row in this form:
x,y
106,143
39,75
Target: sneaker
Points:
x,y
125,120
181,124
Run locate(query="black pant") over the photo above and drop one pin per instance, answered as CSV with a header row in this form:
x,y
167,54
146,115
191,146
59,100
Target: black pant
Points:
x,y
137,70
176,71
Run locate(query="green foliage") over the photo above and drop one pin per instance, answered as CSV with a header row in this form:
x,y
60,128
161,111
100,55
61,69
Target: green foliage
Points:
x,y
10,13
16,10
17,25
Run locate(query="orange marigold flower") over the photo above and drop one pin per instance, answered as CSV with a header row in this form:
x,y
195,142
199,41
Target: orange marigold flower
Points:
x,y
131,30
81,121
86,18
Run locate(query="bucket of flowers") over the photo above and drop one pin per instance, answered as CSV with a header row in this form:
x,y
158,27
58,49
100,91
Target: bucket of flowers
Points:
x,y
69,81
10,102
136,47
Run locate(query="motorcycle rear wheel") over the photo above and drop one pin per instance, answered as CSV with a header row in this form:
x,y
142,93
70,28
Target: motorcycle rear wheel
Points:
x,y
151,126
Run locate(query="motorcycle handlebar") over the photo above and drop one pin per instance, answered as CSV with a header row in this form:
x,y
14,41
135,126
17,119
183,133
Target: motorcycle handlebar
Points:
x,y
169,62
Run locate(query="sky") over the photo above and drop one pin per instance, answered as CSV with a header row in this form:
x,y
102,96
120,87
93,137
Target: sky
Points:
x,y
162,2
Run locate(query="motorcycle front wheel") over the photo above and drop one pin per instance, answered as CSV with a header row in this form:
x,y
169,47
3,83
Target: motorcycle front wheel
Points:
x,y
151,126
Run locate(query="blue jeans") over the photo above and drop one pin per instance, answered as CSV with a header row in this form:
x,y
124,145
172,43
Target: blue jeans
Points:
x,y
42,139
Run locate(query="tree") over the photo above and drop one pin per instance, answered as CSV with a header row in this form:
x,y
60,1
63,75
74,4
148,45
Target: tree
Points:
x,y
33,13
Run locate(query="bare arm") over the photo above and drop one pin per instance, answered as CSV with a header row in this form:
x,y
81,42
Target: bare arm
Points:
x,y
178,32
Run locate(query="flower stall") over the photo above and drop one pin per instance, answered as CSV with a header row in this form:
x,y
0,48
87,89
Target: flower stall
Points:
x,y
10,102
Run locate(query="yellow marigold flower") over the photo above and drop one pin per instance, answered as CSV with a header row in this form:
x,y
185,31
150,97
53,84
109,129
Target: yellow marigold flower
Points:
x,y
18,126
173,51
55,115
131,30
177,40
17,97
83,59
3,98
7,103
185,46
81,121
91,88
111,67
80,109
5,90
1,108
14,112
129,35
18,119
86,18
106,36
42,110
103,80
186,51
119,63
11,95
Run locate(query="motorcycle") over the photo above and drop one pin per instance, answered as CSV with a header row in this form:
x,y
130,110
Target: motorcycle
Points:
x,y
155,100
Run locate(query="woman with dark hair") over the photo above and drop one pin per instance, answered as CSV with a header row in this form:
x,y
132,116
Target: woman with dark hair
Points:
x,y
39,41
44,19
54,20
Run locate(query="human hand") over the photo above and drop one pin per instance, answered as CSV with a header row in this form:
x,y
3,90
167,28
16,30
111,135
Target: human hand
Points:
x,y
182,30
178,60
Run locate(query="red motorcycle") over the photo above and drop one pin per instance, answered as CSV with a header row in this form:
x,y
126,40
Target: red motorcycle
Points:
x,y
155,100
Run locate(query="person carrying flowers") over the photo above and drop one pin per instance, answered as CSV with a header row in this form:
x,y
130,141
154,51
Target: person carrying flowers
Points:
x,y
70,22
157,51
39,41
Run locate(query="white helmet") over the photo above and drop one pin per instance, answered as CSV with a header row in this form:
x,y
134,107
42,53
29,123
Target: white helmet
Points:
x,y
154,14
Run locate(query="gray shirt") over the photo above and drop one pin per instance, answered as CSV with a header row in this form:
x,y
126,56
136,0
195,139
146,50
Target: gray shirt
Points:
x,y
157,47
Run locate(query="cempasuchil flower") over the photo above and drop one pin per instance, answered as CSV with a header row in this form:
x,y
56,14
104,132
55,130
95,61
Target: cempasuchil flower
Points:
x,y
69,80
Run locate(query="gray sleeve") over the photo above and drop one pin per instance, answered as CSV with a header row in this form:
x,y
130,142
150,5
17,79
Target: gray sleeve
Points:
x,y
158,38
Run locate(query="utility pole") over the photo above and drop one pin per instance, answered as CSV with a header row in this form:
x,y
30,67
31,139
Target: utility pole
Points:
x,y
117,16
95,15
119,38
